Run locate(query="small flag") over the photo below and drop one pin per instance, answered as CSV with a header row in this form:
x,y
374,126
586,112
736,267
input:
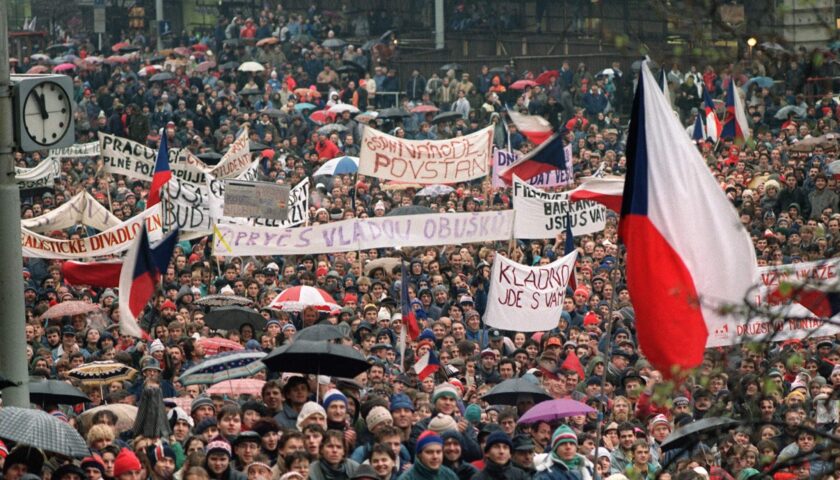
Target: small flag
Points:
x,y
162,172
569,247
408,316
549,156
735,124
699,132
427,365
604,190
713,126
535,128
95,274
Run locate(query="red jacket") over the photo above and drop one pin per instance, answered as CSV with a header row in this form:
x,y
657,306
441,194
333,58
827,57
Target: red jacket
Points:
x,y
327,150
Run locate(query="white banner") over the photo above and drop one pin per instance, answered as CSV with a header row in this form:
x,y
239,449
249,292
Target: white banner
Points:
x,y
40,176
112,241
426,162
355,234
541,214
799,321
82,209
502,159
527,299
80,150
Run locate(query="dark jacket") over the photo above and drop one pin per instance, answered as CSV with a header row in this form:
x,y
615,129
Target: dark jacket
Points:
x,y
494,471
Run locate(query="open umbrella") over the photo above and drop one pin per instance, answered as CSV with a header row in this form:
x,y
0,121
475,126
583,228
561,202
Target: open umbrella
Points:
x,y
221,300
205,66
343,107
763,82
393,112
783,112
39,57
59,47
339,166
319,333
232,42
302,38
39,429
212,158
229,65
322,116
6,383
237,387
509,392
545,77
552,410
409,210
118,46
162,77
214,345
435,191
256,146
233,317
268,41
272,112
299,107
320,358
295,299
451,66
386,263
251,91
425,109
307,93
332,127
446,117
69,309
354,66
688,435
523,84
64,67
333,43
125,415
251,67
116,60
224,366
102,373
129,49
39,69
55,391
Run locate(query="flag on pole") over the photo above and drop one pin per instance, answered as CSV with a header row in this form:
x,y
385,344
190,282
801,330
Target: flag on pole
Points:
x,y
162,172
735,124
534,127
674,218
549,156
569,247
427,365
141,272
408,316
713,126
605,190
699,132
95,274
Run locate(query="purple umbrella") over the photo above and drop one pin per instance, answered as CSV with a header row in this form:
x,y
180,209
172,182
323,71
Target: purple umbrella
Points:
x,y
552,410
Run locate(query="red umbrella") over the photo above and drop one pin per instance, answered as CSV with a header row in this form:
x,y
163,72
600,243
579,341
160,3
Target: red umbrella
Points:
x,y
199,47
322,116
214,345
295,299
523,84
118,46
425,109
116,59
70,308
545,77
64,67
268,41
239,386
182,51
38,69
205,66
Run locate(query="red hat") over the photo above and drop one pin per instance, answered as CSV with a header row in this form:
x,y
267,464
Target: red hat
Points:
x,y
582,291
268,153
4,450
126,462
321,271
591,319
553,342
168,304
351,298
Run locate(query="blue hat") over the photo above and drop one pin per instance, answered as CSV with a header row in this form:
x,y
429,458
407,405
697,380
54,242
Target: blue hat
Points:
x,y
497,437
426,334
425,439
401,400
333,395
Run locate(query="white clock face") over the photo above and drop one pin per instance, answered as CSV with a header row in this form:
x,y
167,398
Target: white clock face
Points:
x,y
47,113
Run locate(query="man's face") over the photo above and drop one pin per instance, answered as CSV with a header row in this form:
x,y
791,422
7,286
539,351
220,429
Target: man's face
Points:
x,y
431,456
626,439
499,453
165,467
452,449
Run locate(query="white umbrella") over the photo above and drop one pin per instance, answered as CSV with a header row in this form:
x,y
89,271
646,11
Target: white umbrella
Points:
x,y
339,166
251,67
343,107
435,191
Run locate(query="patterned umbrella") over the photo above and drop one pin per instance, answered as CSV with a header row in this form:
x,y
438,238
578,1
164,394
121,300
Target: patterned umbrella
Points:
x,y
295,299
224,366
214,345
125,415
235,388
70,308
102,373
223,301
39,429
338,166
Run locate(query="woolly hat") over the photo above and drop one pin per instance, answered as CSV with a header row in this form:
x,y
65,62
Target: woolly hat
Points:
x,y
384,314
126,462
205,424
425,439
659,419
563,434
158,451
156,346
377,415
93,461
217,445
441,423
401,400
333,395
309,409
472,413
497,437
445,389
199,402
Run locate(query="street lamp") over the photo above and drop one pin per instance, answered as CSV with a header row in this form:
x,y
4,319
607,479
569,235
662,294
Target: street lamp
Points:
x,y
751,42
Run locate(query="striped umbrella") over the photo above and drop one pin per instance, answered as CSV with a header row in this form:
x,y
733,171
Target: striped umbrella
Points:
x,y
295,299
224,366
214,345
102,373
235,388
39,429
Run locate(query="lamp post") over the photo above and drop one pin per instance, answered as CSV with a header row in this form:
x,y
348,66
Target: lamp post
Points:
x,y
751,42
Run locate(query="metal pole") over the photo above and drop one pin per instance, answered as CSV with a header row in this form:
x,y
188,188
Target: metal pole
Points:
x,y
159,18
12,318
439,41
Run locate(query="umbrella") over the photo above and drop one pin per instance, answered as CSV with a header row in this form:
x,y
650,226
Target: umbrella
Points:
x,y
224,366
116,59
182,51
65,59
393,113
435,191
162,77
129,49
508,392
39,429
425,109
55,391
343,107
38,69
6,383
763,82
307,93
347,69
451,66
102,373
250,91
118,46
299,107
354,66
808,144
555,410
229,65
153,69
69,309
157,59
237,387
205,66
607,72
773,46
339,166
59,47
688,435
386,263
783,112
332,127
252,67
321,116
333,43
523,84
231,42
446,117
545,77
256,146
386,36
200,47
268,41
295,299
302,38
214,345
409,210
366,117
497,70
233,317
39,57
125,415
211,157
272,112
320,358
319,333
221,300
64,67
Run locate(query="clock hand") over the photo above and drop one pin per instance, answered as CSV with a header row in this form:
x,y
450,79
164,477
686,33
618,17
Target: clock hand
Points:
x,y
42,105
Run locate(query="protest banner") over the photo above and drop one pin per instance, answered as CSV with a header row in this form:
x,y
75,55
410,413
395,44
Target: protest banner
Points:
x,y
426,162
235,161
112,241
556,178
41,176
245,198
527,299
541,214
90,149
82,209
799,321
355,234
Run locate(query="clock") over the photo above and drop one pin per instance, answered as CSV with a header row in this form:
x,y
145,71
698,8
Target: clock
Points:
x,y
43,112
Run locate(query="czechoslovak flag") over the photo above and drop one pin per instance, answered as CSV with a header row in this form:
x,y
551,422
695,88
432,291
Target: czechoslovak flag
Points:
x,y
427,365
735,124
713,126
535,128
162,172
687,253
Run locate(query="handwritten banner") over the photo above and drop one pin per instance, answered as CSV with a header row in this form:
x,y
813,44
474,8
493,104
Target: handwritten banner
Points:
x,y
41,176
527,299
541,214
355,234
502,159
427,162
80,150
81,209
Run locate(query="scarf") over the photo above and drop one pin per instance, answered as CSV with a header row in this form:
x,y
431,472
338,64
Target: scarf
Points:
x,y
331,473
575,463
423,471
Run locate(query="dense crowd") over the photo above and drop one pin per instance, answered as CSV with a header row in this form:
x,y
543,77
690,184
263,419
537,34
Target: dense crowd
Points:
x,y
386,423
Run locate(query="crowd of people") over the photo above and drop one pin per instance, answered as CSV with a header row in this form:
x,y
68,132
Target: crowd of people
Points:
x,y
387,423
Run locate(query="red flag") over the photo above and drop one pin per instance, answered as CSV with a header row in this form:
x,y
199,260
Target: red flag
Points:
x,y
95,274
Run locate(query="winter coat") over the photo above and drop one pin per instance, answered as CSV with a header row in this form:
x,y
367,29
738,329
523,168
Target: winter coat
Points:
x,y
495,471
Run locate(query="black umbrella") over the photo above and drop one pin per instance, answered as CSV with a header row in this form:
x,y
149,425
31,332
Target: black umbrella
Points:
x,y
386,36
157,59
231,318
320,332
497,70
272,112
446,117
354,65
393,113
688,435
347,70
409,210
161,77
229,66
209,157
369,44
319,358
451,66
250,91
129,49
510,391
6,383
54,391
257,146
39,429
59,48
231,42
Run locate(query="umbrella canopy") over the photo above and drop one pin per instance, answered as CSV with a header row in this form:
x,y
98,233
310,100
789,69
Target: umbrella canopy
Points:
x,y
272,112
224,366
64,67
102,373
233,317
268,41
38,69
6,383
333,43
321,116
425,109
343,107
350,64
435,191
509,391
116,59
295,299
386,263
237,387
229,65
214,345
125,415
250,91
39,429
554,410
119,46
69,309
393,113
39,57
451,66
339,166
320,358
59,47
55,391
252,67
302,38
333,127
256,146
319,333
763,82
783,112
446,117
304,93
211,157
205,66
523,84
545,77
162,77
299,107
690,434
221,300
409,210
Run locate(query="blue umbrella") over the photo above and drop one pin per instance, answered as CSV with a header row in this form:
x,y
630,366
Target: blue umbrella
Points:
x,y
763,82
339,166
224,366
304,106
